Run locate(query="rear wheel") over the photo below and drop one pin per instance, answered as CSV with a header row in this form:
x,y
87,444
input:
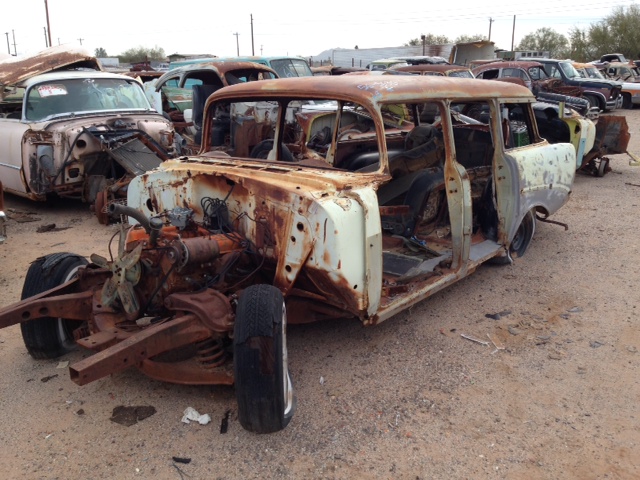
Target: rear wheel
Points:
x,y
48,337
264,391
520,241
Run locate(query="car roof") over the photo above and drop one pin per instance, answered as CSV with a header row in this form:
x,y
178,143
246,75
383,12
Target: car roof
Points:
x,y
430,67
220,67
509,64
74,74
15,70
373,89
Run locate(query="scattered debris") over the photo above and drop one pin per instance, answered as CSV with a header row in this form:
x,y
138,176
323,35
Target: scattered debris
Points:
x,y
48,436
595,344
51,227
497,347
321,380
632,184
181,459
80,412
64,364
46,228
493,316
574,310
556,355
128,416
469,337
514,331
632,349
191,414
46,379
224,424
543,339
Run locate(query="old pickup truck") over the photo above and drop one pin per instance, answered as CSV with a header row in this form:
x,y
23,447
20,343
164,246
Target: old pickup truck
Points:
x,y
331,198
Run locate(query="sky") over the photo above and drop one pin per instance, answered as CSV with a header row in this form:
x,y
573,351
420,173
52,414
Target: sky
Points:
x,y
281,28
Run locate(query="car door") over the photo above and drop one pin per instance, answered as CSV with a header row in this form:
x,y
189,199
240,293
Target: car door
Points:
x,y
11,166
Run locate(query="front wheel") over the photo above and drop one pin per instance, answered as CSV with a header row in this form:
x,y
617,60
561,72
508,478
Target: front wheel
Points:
x,y
521,240
626,101
264,391
49,337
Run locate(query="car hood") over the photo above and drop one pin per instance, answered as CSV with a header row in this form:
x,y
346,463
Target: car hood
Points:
x,y
597,83
14,70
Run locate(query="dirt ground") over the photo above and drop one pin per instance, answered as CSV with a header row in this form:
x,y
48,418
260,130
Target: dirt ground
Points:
x,y
408,399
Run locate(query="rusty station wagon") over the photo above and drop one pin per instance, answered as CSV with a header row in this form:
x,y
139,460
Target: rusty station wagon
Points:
x,y
331,198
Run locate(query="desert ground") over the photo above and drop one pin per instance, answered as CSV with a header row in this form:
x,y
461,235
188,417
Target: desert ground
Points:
x,y
554,395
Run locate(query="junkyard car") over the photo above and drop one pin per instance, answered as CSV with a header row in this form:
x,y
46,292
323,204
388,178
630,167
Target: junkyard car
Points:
x,y
180,93
534,76
602,93
593,136
331,198
75,131
629,75
436,69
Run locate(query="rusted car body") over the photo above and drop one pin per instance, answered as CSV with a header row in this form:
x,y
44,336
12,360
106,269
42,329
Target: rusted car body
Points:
x,y
602,93
330,198
438,69
593,136
71,130
629,75
180,93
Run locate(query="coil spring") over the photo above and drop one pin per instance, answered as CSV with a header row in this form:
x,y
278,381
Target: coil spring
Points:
x,y
211,353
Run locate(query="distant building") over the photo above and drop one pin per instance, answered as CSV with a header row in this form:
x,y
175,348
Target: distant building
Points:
x,y
361,57
178,57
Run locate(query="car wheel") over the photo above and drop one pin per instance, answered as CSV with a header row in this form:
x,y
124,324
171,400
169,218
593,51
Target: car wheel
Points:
x,y
626,101
262,149
520,241
266,401
593,101
602,167
47,337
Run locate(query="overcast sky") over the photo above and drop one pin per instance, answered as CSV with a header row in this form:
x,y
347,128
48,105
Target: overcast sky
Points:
x,y
280,28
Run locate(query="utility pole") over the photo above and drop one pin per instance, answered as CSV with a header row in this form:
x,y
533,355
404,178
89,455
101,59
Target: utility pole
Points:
x,y
80,40
252,49
15,51
260,50
424,44
46,9
46,43
8,46
491,20
513,33
237,44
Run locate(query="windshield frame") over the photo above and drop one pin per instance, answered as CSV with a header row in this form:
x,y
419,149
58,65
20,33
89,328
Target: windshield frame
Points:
x,y
99,95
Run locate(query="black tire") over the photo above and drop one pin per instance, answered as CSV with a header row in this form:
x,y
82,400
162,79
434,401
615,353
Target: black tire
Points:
x,y
262,149
520,241
626,101
49,337
264,392
602,167
593,101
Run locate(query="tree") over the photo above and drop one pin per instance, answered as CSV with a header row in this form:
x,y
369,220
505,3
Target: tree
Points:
x,y
580,47
545,39
429,39
141,54
101,53
470,38
624,22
